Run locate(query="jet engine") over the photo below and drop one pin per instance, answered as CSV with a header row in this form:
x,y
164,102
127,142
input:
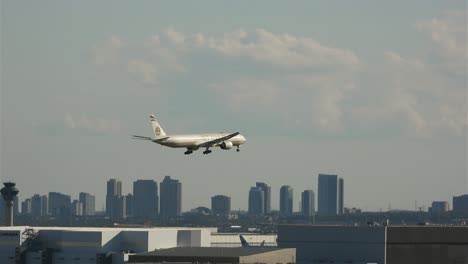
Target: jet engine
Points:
x,y
226,145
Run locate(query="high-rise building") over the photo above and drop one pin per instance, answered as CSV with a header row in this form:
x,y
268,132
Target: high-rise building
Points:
x,y
45,205
129,203
76,208
26,207
88,202
59,204
308,203
36,205
439,207
328,194
114,187
145,199
340,196
460,203
221,204
286,200
120,208
256,201
171,198
113,199
267,196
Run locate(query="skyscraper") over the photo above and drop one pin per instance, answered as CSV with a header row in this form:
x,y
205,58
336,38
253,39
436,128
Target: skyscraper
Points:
x,y
221,204
129,203
26,207
286,200
439,207
45,205
308,203
266,196
171,198
36,205
76,208
113,199
460,203
145,199
59,204
120,207
328,194
340,196
256,201
88,202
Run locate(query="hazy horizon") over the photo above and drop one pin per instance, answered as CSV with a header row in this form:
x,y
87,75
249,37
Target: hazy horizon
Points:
x,y
374,92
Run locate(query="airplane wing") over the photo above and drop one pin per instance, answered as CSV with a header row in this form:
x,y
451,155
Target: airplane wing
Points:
x,y
213,142
141,137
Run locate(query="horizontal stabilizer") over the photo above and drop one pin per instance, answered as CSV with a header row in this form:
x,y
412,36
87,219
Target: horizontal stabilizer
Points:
x,y
141,137
160,139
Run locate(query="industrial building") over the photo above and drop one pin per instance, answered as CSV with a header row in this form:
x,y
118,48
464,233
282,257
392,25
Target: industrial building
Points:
x,y
218,255
376,244
57,245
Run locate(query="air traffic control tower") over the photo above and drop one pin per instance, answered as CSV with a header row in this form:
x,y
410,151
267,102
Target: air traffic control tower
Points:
x,y
8,193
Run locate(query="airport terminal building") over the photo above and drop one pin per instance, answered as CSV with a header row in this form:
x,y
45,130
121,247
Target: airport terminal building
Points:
x,y
64,245
376,244
304,243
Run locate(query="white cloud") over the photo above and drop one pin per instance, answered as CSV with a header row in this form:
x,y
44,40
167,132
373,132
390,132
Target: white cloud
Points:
x,y
407,105
175,38
405,89
143,71
320,87
262,46
99,125
167,55
449,33
248,94
281,50
322,97
405,63
306,101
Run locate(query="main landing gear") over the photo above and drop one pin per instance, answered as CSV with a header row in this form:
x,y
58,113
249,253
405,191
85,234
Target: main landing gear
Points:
x,y
238,149
188,152
207,151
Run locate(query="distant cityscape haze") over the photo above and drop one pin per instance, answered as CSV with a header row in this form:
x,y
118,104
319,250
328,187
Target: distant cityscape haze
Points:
x,y
367,91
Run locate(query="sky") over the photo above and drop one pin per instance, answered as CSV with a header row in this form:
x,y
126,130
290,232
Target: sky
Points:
x,y
373,91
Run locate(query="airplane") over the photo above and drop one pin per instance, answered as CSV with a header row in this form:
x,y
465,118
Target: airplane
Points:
x,y
246,244
193,142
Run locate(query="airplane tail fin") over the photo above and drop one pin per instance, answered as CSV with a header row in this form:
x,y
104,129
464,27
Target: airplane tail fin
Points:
x,y
243,241
263,243
157,129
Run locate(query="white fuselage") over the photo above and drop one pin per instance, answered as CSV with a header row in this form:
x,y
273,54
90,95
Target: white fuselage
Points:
x,y
192,141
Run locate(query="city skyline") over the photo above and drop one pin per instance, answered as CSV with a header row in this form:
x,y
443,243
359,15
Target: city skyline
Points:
x,y
375,93
115,187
